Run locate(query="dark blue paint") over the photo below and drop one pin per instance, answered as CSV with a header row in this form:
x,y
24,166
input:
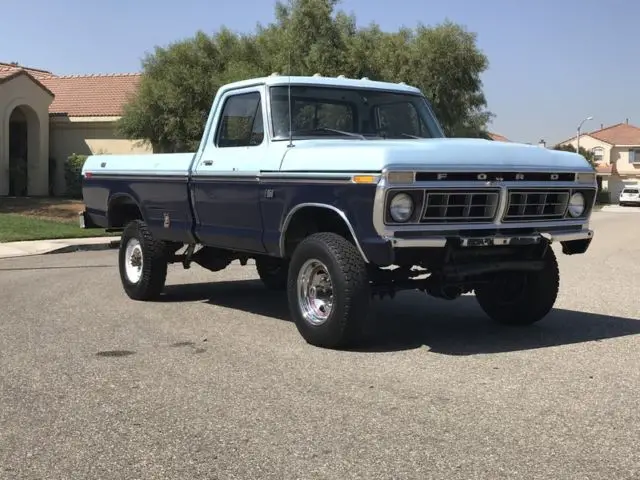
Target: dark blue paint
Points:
x,y
236,214
228,213
154,197
356,201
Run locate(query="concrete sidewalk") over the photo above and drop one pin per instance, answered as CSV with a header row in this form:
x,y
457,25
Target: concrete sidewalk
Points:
x,y
618,208
63,245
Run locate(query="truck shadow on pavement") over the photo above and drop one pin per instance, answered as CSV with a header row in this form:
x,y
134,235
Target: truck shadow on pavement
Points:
x,y
413,320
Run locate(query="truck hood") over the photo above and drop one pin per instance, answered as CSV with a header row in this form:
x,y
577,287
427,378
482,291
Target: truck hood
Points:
x,y
429,154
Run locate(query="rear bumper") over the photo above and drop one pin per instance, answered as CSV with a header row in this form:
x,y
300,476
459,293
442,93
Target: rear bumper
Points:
x,y
85,220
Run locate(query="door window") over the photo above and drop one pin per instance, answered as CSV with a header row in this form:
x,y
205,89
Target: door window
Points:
x,y
241,123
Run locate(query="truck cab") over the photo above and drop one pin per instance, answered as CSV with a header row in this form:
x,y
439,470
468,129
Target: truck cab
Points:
x,y
342,189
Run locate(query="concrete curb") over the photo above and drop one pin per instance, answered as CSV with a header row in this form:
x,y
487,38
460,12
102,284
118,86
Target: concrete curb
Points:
x,y
86,247
53,246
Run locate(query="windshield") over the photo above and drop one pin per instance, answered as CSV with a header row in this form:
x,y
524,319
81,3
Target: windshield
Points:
x,y
351,113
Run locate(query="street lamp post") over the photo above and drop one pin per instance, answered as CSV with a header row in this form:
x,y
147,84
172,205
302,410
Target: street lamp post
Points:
x,y
578,136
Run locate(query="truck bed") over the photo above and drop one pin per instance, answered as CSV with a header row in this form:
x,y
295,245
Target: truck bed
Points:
x,y
156,183
156,164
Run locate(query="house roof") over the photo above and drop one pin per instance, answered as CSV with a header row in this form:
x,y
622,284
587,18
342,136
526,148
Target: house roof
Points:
x,y
91,95
7,72
498,138
98,95
604,169
618,134
11,68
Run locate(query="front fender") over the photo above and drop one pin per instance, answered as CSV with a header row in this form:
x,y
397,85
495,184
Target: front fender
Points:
x,y
353,203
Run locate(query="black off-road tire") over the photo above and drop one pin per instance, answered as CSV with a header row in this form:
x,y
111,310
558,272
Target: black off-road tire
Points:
x,y
273,272
534,301
350,286
154,262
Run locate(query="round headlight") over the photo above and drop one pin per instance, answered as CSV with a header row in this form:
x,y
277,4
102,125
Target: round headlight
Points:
x,y
576,205
401,207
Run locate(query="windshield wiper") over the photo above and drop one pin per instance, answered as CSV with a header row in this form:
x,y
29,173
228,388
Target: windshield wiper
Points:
x,y
383,134
333,130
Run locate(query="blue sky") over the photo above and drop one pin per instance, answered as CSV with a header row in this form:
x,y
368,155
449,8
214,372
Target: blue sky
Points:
x,y
552,63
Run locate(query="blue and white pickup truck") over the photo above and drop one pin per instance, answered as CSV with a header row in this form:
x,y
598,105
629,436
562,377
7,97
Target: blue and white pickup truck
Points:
x,y
342,189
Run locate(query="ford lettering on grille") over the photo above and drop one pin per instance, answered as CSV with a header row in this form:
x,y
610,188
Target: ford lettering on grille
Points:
x,y
494,177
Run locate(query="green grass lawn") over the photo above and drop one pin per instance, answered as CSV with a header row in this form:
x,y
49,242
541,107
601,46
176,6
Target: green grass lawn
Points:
x,y
15,227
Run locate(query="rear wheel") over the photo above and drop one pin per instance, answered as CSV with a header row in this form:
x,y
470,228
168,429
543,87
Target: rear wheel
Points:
x,y
328,290
521,298
142,261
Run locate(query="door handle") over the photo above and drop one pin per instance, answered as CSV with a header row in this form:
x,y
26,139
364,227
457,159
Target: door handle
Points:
x,y
207,162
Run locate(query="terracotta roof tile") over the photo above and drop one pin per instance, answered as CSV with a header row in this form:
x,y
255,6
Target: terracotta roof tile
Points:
x,y
36,73
498,138
9,72
91,95
619,134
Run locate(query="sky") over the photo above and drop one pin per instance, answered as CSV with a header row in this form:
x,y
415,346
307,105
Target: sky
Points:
x,y
552,63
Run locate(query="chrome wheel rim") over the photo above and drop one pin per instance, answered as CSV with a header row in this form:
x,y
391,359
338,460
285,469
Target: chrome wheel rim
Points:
x,y
315,292
133,261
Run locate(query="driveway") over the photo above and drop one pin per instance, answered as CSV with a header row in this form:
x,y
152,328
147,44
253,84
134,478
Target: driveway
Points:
x,y
215,382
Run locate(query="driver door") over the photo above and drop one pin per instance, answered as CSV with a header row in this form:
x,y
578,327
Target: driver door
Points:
x,y
225,180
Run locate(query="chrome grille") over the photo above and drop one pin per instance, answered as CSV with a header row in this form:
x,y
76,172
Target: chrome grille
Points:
x,y
536,205
459,206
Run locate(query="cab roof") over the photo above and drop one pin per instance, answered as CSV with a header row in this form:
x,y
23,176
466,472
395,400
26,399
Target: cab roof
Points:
x,y
276,79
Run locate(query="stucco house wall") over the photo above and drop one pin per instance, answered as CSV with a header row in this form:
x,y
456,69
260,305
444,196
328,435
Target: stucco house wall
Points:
x,y
619,166
589,143
64,115
621,156
87,136
32,102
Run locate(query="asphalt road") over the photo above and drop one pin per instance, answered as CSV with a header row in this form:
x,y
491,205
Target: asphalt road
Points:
x,y
214,382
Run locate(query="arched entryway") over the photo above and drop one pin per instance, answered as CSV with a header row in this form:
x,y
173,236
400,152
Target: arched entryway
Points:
x,y
24,149
18,151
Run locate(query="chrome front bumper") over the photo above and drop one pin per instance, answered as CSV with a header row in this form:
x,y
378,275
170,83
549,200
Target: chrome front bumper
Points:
x,y
491,240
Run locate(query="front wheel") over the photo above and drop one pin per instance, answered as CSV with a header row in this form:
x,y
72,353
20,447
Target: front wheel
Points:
x,y
328,290
142,261
521,298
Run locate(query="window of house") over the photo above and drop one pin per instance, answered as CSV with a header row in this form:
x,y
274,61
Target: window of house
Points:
x,y
634,155
241,123
598,154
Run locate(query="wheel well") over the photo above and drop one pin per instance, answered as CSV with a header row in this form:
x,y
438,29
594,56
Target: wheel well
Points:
x,y
309,220
121,211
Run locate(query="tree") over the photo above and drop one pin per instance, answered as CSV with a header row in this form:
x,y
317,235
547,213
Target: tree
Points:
x,y
178,84
588,154
180,80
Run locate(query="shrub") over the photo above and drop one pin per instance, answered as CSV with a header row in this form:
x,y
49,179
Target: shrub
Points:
x,y
72,175
603,197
